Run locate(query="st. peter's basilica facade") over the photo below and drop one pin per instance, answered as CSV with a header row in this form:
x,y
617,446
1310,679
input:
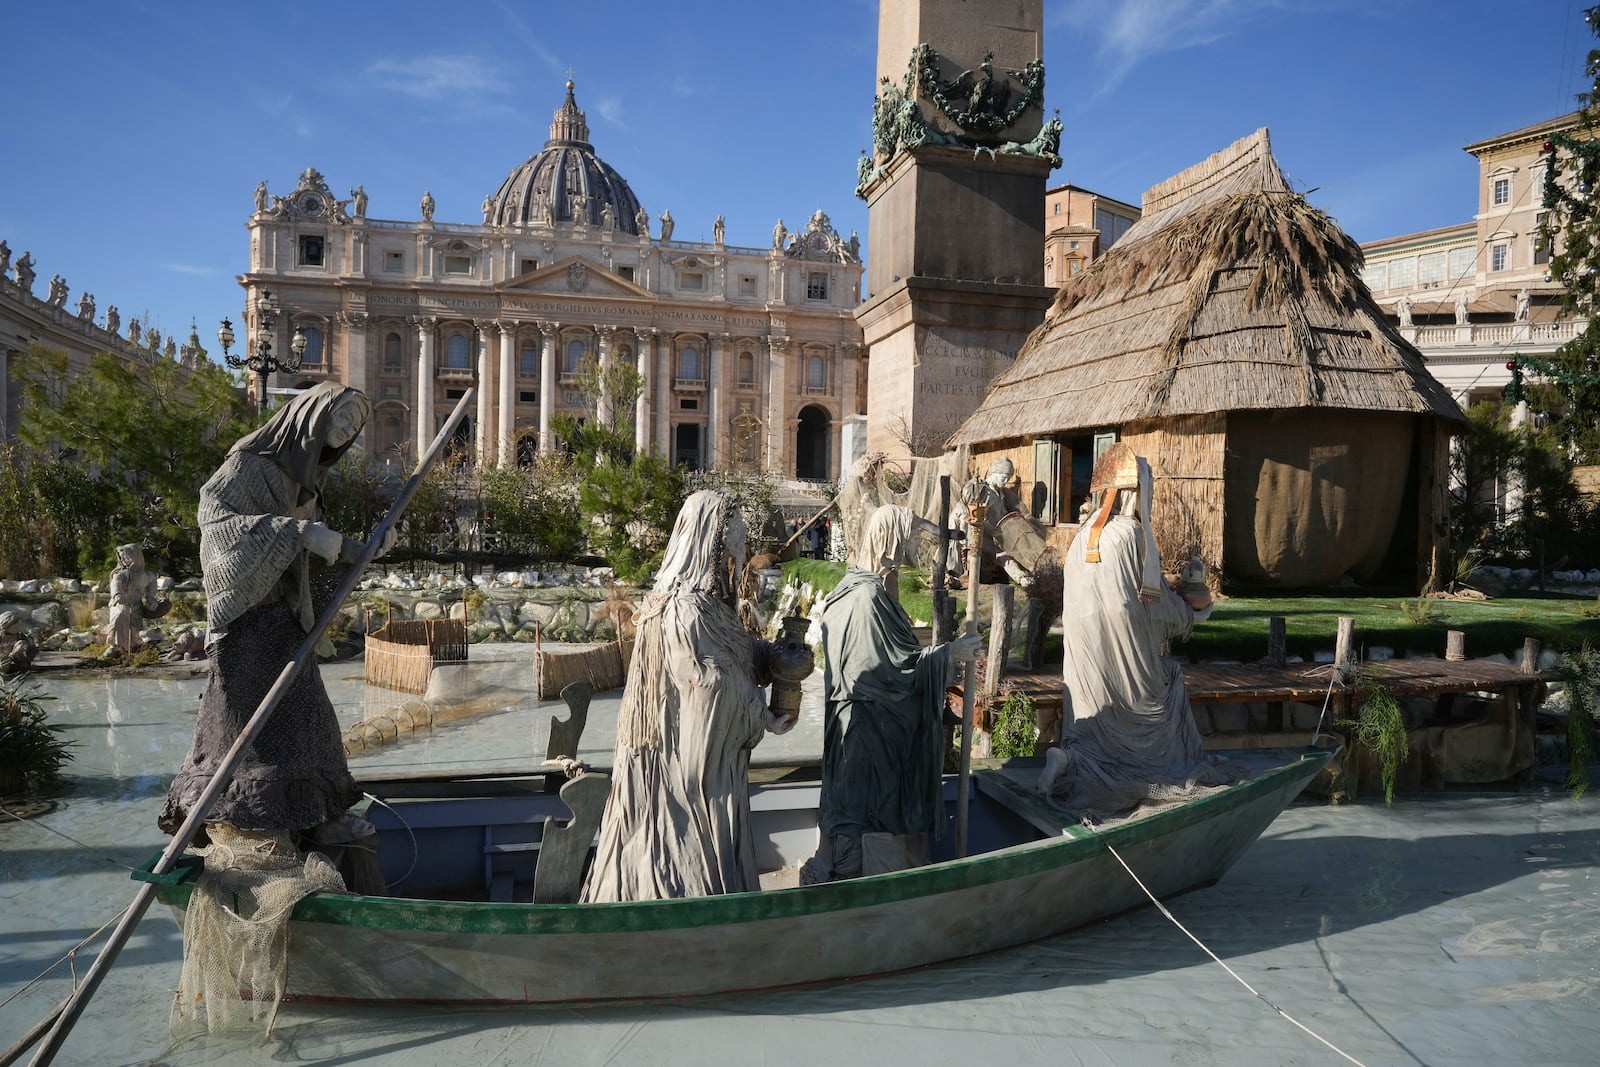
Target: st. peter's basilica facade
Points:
x,y
749,356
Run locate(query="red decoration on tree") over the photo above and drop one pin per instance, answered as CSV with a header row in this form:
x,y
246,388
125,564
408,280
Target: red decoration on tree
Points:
x,y
1511,365
1548,146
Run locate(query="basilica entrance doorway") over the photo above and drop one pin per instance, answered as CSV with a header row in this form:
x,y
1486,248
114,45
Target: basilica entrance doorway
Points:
x,y
811,444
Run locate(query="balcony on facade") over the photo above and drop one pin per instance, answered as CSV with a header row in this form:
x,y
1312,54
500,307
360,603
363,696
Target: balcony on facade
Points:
x,y
689,385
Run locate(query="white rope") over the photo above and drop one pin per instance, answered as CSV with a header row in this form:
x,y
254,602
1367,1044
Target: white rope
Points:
x,y
1258,994
71,956
416,853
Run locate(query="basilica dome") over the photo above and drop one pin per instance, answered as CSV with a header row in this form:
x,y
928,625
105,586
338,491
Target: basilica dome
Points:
x,y
566,181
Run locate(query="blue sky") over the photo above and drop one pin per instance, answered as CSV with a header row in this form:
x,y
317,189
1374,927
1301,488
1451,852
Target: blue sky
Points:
x,y
135,132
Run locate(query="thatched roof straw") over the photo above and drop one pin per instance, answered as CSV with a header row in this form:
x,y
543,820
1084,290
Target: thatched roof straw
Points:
x,y
1233,293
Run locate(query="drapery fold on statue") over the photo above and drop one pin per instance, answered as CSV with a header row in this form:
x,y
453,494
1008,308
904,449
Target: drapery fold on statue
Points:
x,y
1132,735
883,731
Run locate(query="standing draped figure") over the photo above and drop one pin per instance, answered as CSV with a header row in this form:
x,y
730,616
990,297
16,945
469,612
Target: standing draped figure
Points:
x,y
677,822
883,728
1132,735
133,598
269,565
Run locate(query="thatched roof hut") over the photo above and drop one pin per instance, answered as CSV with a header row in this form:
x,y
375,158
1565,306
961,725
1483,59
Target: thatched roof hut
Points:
x,y
1298,438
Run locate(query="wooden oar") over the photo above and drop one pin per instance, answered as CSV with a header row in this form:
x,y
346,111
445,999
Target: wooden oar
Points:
x,y
969,685
68,1015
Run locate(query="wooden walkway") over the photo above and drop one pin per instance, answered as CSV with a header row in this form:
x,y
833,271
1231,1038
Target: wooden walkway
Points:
x,y
1213,683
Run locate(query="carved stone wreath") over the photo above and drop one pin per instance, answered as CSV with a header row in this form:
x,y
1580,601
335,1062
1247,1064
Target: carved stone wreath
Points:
x,y
985,110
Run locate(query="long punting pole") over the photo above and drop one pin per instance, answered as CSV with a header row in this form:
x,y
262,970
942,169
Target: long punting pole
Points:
x,y
74,1005
969,686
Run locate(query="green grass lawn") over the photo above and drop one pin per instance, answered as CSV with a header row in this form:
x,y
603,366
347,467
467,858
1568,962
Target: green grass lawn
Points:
x,y
1237,629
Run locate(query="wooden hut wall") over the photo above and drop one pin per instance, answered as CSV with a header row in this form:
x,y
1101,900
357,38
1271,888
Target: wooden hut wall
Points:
x,y
1433,503
1187,457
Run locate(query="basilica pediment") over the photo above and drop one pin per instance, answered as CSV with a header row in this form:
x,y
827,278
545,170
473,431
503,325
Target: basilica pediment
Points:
x,y
576,276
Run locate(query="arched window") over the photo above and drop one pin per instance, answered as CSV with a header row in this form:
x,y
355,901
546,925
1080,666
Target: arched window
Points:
x,y
689,364
528,367
391,351
457,353
747,368
313,353
625,354
816,373
575,350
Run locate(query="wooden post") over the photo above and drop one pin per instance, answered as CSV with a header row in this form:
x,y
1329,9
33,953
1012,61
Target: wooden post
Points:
x,y
1530,655
975,518
1455,645
1277,642
1344,650
1002,613
944,607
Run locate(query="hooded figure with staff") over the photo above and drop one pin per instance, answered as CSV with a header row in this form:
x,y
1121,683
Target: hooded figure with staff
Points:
x,y
269,566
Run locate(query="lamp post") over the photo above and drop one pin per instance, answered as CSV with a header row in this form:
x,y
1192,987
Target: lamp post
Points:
x,y
259,360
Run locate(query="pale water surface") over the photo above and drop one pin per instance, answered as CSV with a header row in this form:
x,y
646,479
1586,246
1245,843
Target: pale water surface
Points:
x,y
1453,929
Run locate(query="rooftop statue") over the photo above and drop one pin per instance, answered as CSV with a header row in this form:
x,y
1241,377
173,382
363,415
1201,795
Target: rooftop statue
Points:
x,y
677,823
358,197
883,718
5,258
113,319
427,206
666,225
86,307
488,209
58,292
641,222
261,197
25,273
718,229
779,232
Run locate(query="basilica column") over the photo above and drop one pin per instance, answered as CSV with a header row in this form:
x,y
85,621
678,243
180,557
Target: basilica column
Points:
x,y
484,438
647,375
547,383
425,429
605,401
354,326
717,396
667,367
777,405
508,396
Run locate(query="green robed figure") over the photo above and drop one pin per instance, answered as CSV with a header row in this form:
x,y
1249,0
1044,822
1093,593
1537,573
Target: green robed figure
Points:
x,y
883,734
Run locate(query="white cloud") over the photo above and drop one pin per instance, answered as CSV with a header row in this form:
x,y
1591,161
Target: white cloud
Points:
x,y
436,77
610,109
190,269
1132,31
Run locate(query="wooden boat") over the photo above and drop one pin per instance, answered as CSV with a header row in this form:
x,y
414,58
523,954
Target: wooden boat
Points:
x,y
463,853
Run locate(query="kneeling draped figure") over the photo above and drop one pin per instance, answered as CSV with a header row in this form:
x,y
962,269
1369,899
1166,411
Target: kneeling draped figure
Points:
x,y
677,822
883,729
1132,735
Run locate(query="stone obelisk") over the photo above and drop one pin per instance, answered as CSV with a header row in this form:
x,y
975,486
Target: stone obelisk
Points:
x,y
955,192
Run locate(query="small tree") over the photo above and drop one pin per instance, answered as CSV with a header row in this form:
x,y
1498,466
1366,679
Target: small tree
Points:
x,y
1572,214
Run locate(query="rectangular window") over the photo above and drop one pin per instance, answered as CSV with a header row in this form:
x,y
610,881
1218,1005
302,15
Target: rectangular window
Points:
x,y
817,285
1502,191
1376,275
626,272
1541,244
458,264
1500,257
1430,269
454,394
527,266
394,262
689,404
691,279
1462,263
526,397
311,247
1402,273
747,285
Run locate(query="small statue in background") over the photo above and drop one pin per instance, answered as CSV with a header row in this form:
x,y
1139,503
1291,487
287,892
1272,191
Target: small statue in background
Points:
x,y
58,292
261,197
5,257
113,319
358,196
427,206
641,222
17,647
25,273
666,225
133,598
86,307
718,229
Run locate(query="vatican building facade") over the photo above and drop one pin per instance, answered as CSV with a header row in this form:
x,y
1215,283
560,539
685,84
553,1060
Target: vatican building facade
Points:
x,y
749,357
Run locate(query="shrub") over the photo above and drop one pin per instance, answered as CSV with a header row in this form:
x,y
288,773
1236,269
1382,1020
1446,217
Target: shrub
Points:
x,y
32,752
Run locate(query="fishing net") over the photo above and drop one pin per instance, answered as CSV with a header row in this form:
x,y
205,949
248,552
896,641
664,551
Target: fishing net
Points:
x,y
236,933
